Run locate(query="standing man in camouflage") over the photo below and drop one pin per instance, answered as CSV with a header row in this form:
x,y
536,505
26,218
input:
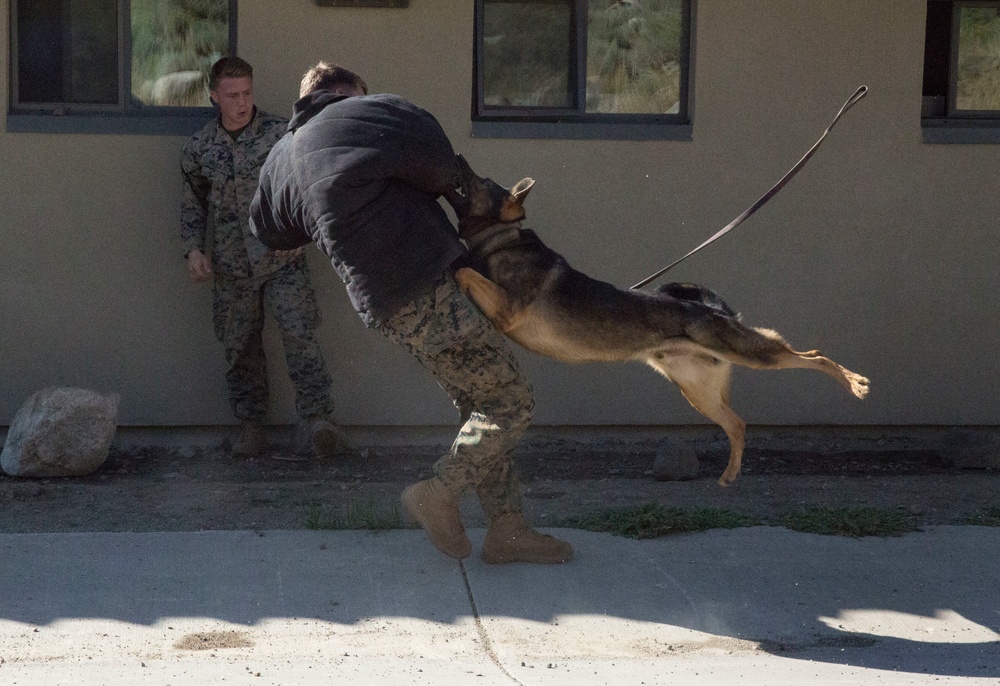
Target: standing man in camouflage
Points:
x,y
361,176
221,165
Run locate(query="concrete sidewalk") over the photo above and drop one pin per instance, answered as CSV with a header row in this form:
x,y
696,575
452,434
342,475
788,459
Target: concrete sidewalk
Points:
x,y
749,606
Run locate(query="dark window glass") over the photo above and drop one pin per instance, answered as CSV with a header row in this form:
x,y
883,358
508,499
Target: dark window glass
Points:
x,y
67,51
937,48
526,54
582,60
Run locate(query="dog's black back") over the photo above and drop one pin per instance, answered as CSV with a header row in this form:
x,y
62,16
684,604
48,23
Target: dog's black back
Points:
x,y
695,293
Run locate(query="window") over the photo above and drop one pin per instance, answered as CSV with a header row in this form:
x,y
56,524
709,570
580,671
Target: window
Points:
x,y
961,90
582,68
115,65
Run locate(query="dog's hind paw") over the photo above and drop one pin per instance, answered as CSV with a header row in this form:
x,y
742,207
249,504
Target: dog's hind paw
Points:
x,y
856,384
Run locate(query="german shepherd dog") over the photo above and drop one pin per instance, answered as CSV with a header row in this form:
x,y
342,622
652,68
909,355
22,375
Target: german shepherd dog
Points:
x,y
684,331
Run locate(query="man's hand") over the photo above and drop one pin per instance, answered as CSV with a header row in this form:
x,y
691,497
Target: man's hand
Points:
x,y
199,266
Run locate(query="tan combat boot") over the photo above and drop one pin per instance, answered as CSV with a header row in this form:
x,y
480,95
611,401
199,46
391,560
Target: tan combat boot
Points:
x,y
430,503
251,440
320,437
510,539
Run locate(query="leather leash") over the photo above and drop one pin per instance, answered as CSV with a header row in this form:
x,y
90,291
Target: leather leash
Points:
x,y
851,102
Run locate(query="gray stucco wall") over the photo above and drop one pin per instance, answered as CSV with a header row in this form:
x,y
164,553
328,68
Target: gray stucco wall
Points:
x,y
882,252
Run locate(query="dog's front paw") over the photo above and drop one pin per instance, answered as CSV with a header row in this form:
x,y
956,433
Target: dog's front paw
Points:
x,y
728,477
464,278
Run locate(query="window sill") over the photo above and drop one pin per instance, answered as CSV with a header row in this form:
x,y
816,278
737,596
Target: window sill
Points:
x,y
957,131
155,125
582,131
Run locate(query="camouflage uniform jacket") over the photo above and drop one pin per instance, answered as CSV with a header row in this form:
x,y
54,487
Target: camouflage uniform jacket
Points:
x,y
220,178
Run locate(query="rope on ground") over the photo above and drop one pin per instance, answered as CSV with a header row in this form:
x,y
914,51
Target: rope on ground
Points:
x,y
483,636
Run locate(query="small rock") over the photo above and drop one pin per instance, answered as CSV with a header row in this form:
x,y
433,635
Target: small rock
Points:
x,y
675,461
60,431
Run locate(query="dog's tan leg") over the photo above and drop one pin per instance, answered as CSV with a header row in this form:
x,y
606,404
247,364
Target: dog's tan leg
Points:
x,y
489,297
705,384
766,349
716,407
854,383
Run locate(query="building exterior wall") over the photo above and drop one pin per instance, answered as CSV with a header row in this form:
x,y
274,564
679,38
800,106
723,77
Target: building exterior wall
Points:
x,y
882,251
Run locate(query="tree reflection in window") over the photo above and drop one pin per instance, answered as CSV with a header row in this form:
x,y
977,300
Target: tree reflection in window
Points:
x,y
977,83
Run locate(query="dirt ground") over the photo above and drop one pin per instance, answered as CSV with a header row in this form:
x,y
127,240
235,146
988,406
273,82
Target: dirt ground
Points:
x,y
191,489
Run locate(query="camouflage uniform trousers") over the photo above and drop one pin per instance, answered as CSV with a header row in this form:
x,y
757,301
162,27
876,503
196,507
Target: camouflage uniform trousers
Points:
x,y
238,308
473,363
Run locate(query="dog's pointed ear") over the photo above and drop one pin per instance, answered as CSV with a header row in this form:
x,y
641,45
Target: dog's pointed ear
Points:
x,y
512,209
521,189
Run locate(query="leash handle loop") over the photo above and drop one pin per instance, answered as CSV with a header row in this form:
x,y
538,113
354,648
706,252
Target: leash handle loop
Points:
x,y
851,102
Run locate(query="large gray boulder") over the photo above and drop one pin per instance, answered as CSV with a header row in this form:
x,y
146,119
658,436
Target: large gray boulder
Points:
x,y
60,432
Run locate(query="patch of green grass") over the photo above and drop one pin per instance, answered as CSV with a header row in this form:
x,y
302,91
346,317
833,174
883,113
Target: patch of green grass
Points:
x,y
363,514
849,521
988,517
653,520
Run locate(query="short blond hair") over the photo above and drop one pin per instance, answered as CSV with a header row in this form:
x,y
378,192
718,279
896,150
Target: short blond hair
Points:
x,y
326,76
